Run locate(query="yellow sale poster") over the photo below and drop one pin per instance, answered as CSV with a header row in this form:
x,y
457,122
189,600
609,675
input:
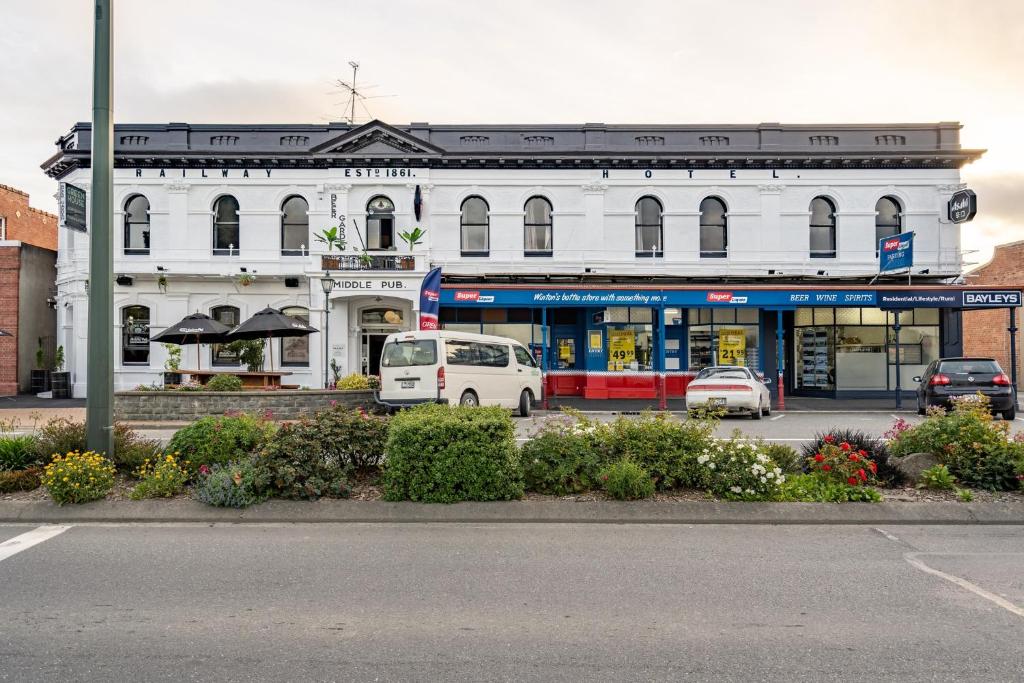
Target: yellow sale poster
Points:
x,y
621,349
732,346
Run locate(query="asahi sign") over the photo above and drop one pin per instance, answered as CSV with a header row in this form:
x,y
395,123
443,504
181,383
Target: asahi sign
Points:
x,y
962,206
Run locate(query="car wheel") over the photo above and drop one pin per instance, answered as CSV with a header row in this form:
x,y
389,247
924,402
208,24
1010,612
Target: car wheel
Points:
x,y
1010,414
524,404
469,399
767,410
756,415
920,408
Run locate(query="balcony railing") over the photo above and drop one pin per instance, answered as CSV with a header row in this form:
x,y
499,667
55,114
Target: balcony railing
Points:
x,y
367,262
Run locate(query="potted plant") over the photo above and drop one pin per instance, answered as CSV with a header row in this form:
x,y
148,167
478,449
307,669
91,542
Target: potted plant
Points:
x,y
60,381
412,238
365,259
172,365
250,352
336,373
245,279
161,283
40,376
331,237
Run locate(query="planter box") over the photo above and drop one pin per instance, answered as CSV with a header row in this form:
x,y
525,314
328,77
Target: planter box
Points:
x,y
172,378
40,381
185,406
60,384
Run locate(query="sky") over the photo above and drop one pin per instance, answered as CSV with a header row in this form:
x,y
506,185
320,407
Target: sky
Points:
x,y
527,61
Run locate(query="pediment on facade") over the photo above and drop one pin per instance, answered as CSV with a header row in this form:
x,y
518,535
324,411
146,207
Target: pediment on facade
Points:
x,y
377,138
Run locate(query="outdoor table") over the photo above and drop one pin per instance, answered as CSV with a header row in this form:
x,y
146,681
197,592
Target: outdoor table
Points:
x,y
250,380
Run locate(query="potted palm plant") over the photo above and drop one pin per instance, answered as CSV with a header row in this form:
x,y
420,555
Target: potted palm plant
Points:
x,y
40,376
172,365
412,238
60,380
331,238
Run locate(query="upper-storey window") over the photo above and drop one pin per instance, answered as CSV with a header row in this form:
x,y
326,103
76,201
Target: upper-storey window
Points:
x,y
476,224
538,227
714,229
380,223
294,226
823,228
649,231
136,225
225,226
888,219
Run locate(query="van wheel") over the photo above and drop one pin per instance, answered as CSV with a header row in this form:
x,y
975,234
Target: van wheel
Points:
x,y
525,401
469,399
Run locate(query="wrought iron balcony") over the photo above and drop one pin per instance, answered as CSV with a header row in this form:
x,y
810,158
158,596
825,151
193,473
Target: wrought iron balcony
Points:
x,y
368,262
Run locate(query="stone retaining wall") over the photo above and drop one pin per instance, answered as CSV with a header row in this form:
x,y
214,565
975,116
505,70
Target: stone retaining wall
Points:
x,y
184,406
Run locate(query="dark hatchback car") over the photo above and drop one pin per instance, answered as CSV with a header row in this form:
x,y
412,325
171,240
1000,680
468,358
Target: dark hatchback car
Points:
x,y
948,377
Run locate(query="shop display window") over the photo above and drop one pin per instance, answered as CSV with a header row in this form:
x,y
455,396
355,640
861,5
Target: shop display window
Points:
x,y
724,336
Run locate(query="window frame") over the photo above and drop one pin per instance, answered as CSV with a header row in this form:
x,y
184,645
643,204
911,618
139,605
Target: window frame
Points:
x,y
214,347
832,226
716,254
549,225
219,251
125,316
637,226
370,215
292,340
899,219
285,225
128,223
486,225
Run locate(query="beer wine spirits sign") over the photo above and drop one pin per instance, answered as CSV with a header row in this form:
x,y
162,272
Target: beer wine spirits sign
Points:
x,y
962,206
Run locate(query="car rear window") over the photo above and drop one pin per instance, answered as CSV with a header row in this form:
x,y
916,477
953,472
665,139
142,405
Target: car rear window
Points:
x,y
968,367
723,373
403,354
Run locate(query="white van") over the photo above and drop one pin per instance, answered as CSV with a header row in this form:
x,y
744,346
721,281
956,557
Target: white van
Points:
x,y
457,367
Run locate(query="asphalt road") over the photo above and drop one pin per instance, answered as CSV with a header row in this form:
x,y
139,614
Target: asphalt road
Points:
x,y
514,602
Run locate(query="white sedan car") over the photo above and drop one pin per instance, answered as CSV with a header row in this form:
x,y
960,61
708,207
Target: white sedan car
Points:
x,y
734,389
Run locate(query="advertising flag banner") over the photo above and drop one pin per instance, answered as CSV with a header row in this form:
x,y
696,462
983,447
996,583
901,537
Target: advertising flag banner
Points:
x,y
896,252
430,300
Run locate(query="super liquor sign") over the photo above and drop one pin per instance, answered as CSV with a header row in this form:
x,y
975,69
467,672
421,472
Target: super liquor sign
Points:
x,y
896,252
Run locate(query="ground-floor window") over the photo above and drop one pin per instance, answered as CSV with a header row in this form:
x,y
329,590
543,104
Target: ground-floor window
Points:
x,y
855,348
630,339
224,354
724,336
135,335
295,350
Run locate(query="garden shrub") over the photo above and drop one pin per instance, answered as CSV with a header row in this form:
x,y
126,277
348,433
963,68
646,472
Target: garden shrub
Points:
x,y
61,435
938,478
445,454
877,449
236,484
625,480
353,381
224,383
301,464
564,457
738,470
20,480
785,457
18,453
666,447
843,463
78,477
977,450
219,440
161,477
354,437
810,488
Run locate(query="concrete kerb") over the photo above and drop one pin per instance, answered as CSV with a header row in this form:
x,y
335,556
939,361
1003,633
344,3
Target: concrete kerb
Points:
x,y
519,512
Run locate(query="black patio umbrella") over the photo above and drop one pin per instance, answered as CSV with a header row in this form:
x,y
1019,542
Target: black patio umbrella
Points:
x,y
197,329
271,323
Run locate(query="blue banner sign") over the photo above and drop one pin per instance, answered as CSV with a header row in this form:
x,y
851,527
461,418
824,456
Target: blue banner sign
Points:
x,y
430,299
727,298
896,252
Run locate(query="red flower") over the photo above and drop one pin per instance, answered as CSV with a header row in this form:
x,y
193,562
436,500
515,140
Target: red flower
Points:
x,y
818,457
852,481
826,468
845,446
862,475
203,469
863,453
874,468
854,457
829,438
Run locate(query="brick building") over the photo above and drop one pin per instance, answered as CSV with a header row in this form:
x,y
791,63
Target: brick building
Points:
x,y
28,272
985,332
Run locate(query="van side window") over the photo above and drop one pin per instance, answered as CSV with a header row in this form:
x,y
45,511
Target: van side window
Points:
x,y
493,355
461,353
523,357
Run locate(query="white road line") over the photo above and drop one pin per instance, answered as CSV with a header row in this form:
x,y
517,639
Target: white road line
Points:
x,y
777,417
15,545
963,583
887,535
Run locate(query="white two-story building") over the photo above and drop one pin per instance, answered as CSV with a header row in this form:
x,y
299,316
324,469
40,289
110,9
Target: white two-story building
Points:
x,y
622,254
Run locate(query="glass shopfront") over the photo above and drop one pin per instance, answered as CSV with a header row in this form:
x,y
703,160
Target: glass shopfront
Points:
x,y
724,336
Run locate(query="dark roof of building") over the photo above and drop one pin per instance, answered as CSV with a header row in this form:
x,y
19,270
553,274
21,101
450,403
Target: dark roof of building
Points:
x,y
763,145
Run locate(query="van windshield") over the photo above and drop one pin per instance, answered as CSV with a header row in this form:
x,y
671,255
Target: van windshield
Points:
x,y
403,354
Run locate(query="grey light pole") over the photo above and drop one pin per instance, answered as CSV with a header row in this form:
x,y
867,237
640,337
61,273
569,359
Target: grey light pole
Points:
x,y
327,283
99,407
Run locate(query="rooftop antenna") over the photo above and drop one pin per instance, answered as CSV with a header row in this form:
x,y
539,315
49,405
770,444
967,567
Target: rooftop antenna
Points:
x,y
356,95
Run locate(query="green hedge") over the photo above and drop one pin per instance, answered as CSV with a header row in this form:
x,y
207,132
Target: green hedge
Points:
x,y
446,454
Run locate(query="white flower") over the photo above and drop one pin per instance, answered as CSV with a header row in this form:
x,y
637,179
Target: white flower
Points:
x,y
782,478
770,475
750,491
763,480
711,465
736,489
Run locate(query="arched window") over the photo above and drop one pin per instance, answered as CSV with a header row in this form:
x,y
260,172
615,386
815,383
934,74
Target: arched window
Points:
x,y
136,225
225,226
135,335
295,350
222,354
475,224
537,227
714,230
380,224
648,227
823,228
294,226
888,219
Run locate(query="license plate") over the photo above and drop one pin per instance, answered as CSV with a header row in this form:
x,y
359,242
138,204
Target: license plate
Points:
x,y
716,402
408,384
